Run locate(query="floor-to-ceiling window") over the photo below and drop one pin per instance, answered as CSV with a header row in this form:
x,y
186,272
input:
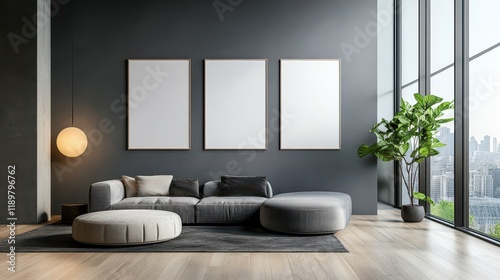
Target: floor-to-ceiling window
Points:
x,y
484,113
409,60
442,84
451,48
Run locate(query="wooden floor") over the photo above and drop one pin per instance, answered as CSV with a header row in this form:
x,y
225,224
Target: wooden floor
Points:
x,y
381,247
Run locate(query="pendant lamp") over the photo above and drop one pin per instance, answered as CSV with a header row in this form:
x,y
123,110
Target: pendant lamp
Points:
x,y
72,141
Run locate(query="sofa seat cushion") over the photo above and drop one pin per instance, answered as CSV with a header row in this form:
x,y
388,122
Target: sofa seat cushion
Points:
x,y
183,206
155,200
229,209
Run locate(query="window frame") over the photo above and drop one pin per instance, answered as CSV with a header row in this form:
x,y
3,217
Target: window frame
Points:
x,y
461,114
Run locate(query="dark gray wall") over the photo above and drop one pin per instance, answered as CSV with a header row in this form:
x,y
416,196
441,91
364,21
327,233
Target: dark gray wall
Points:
x,y
18,103
107,33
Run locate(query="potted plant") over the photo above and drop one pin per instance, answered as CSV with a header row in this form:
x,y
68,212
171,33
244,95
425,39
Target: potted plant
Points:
x,y
409,138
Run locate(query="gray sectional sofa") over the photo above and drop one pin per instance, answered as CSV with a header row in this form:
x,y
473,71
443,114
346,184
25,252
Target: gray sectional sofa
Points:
x,y
210,207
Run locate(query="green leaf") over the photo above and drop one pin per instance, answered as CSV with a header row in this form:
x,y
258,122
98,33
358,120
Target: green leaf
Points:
x,y
405,148
445,120
433,152
446,105
419,98
438,145
419,159
421,196
402,119
431,100
424,152
364,150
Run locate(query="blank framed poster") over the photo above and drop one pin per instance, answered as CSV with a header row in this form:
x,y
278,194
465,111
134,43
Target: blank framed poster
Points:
x,y
310,104
235,104
159,104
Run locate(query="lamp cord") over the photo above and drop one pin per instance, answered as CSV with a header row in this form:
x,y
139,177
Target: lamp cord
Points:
x,y
72,56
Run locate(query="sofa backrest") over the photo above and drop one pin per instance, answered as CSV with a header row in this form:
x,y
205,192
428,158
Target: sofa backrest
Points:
x,y
212,188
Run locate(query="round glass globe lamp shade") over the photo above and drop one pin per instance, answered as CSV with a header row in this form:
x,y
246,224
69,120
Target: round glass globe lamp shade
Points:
x,y
71,142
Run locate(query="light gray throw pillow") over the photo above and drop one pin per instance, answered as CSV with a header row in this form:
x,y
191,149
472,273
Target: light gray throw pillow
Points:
x,y
157,185
130,186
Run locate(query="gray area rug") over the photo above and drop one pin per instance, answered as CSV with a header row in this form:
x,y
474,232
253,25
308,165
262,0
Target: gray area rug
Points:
x,y
196,238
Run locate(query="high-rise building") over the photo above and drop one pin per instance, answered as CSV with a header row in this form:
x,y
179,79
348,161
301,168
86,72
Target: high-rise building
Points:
x,y
442,187
446,137
487,143
495,145
495,173
482,147
473,146
437,188
480,183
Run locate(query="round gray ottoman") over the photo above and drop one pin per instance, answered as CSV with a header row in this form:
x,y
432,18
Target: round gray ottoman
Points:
x,y
306,212
126,227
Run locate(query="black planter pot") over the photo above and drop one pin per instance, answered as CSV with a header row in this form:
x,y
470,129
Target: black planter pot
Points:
x,y
412,214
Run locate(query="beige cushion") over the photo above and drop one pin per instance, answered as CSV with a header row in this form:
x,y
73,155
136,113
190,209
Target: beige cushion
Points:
x,y
130,186
126,227
156,185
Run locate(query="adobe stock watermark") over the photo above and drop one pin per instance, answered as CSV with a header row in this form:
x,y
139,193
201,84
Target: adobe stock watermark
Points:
x,y
364,36
487,87
222,7
11,217
233,166
29,28
95,136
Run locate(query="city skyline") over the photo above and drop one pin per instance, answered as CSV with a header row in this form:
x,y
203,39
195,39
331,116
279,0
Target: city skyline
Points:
x,y
487,144
445,134
484,177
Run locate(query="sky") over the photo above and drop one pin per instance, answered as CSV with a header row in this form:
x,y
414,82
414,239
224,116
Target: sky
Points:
x,y
484,71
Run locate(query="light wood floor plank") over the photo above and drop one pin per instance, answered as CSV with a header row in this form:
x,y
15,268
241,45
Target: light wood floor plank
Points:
x,y
239,266
197,266
301,268
321,266
216,273
280,266
220,259
381,247
176,266
260,264
193,273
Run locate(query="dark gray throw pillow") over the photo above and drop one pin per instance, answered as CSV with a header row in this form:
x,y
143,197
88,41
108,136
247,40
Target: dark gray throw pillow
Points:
x,y
243,186
185,187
